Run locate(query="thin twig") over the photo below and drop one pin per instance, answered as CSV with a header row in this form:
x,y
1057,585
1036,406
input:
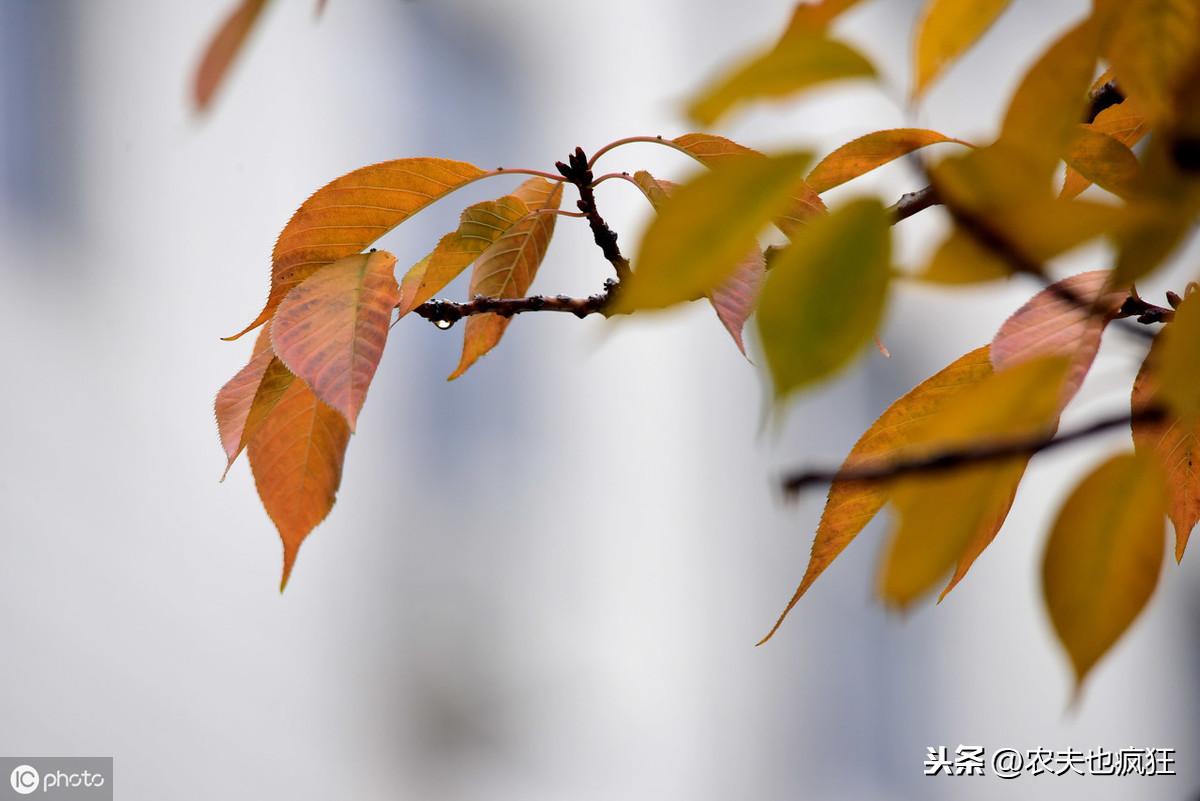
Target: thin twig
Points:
x,y
445,313
578,172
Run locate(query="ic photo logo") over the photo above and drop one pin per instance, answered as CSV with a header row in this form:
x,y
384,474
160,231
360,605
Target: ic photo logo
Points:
x,y
24,779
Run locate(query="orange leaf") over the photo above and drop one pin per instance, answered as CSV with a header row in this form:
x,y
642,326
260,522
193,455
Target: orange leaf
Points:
x,y
1102,159
1125,122
865,153
348,214
296,457
330,330
946,31
1175,444
236,397
1103,557
851,505
223,49
1051,323
1151,45
479,226
508,266
814,17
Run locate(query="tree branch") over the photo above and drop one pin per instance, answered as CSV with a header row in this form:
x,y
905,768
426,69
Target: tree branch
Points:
x,y
445,313
983,451
578,172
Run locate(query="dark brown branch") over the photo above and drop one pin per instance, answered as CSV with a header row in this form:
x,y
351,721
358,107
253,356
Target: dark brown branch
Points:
x,y
1103,96
975,453
445,313
577,171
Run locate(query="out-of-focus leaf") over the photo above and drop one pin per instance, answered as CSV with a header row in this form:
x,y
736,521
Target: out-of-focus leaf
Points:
x,y
330,330
348,214
223,49
1180,372
1102,159
962,259
803,58
853,504
825,295
865,153
479,227
1065,319
1125,122
946,31
508,266
735,298
948,515
697,240
1151,44
296,457
711,150
814,17
234,400
1175,444
1103,556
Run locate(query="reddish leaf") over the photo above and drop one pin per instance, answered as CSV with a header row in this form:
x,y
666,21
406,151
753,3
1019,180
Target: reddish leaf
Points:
x,y
330,330
296,457
508,266
236,397
865,153
348,214
1052,323
223,50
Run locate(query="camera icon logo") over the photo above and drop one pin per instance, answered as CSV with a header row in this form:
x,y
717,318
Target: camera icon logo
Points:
x,y
24,779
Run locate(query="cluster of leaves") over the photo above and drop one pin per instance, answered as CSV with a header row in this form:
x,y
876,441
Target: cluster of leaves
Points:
x,y
949,455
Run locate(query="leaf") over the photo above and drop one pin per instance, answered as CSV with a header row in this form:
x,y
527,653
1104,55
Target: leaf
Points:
x,y
1151,44
348,214
711,150
865,153
946,31
698,238
479,227
947,518
330,330
296,457
735,298
1180,380
825,295
1175,445
1102,159
814,17
853,504
803,58
234,400
1065,319
1125,122
223,49
1103,557
508,266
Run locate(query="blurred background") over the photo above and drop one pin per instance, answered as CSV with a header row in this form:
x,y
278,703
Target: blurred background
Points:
x,y
544,580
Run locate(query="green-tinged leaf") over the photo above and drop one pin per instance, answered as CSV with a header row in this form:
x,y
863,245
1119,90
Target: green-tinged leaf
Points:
x,y
945,516
1103,160
1151,44
962,259
508,267
853,504
801,60
1125,122
865,153
331,329
296,457
947,29
348,214
1180,371
479,227
711,223
1174,444
1103,557
825,295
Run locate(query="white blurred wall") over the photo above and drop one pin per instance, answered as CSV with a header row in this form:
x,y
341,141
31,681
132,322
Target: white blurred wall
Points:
x,y
544,580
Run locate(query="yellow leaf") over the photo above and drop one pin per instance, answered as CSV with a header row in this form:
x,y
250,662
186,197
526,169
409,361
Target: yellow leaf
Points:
x,y
1102,159
1103,557
508,266
946,515
1175,444
865,153
1151,44
348,214
825,295
479,226
1180,359
803,58
946,31
853,504
697,240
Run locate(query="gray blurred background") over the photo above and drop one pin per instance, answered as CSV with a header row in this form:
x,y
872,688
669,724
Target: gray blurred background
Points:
x,y
544,580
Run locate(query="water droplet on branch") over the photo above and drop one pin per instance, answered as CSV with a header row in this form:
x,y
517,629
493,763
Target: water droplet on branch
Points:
x,y
443,324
